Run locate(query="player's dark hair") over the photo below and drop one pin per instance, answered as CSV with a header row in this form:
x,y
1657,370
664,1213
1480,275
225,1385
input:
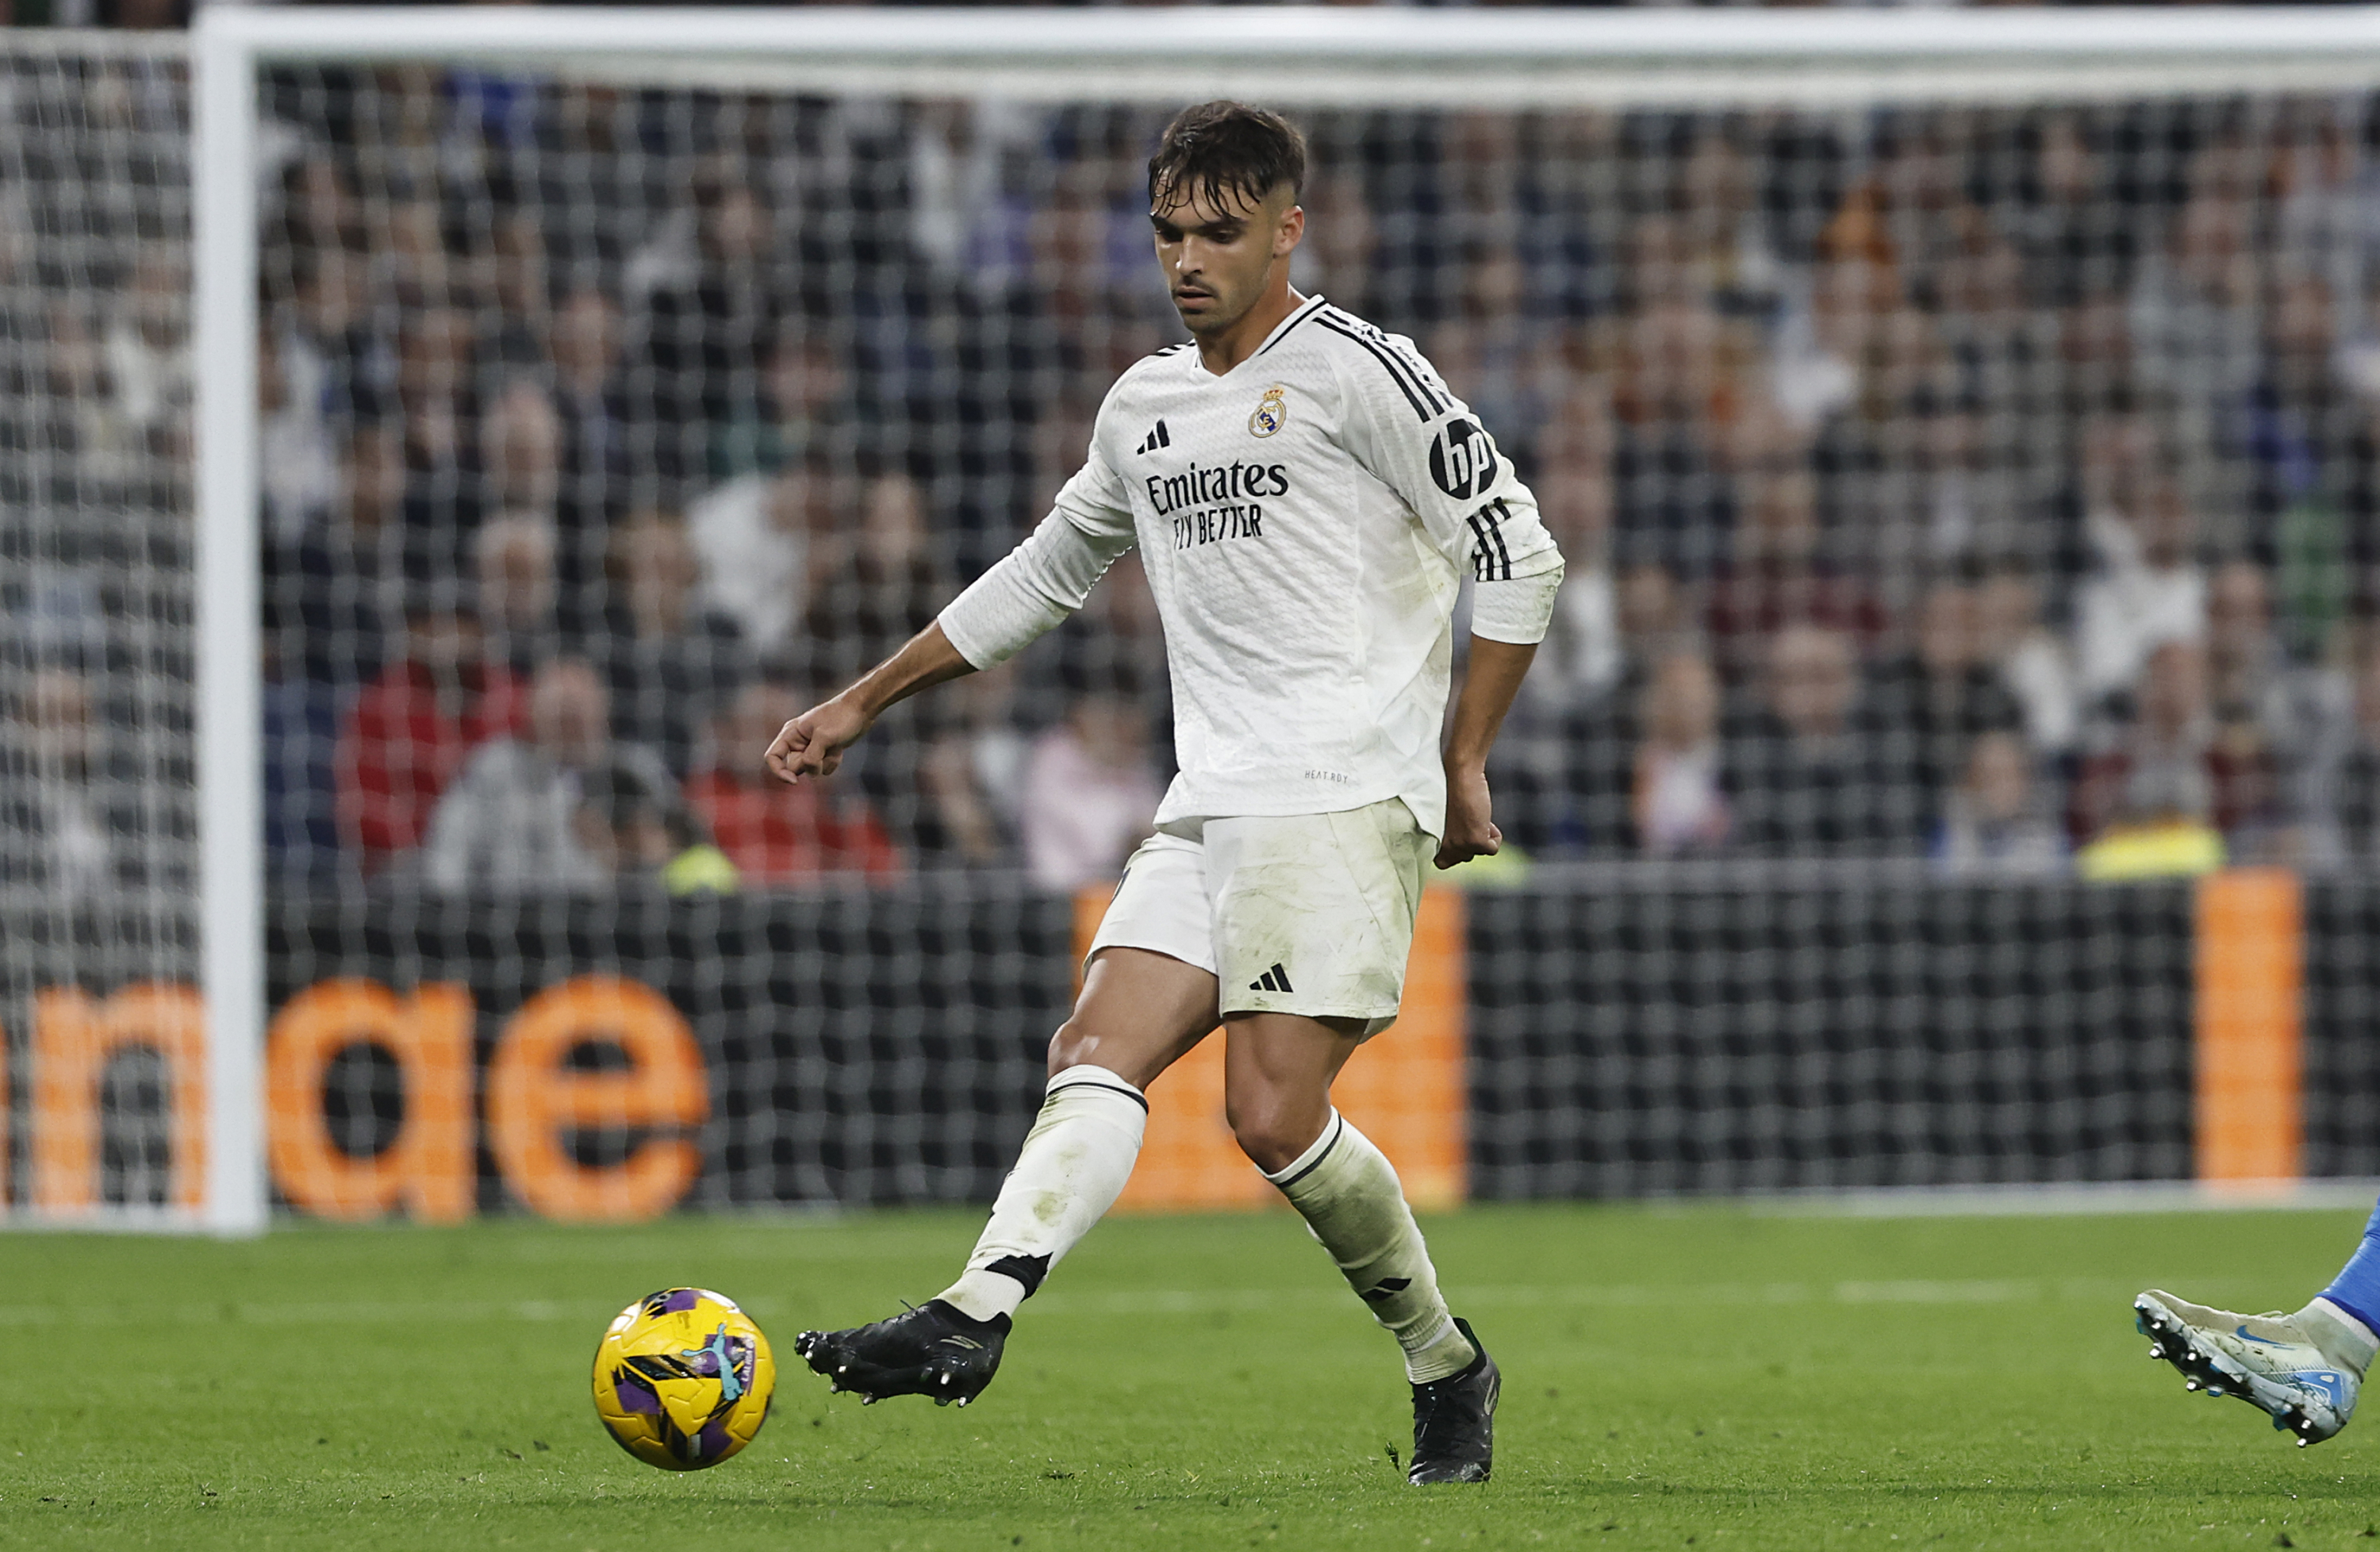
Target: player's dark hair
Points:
x,y
1219,149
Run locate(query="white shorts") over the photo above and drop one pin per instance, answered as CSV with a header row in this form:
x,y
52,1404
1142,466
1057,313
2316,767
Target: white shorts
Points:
x,y
1308,914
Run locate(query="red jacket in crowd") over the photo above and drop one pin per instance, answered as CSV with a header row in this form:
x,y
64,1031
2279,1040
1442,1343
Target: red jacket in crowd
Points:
x,y
778,834
401,746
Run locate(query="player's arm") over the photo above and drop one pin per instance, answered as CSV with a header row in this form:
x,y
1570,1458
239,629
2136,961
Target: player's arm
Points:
x,y
1409,430
1515,570
1489,684
813,742
1034,587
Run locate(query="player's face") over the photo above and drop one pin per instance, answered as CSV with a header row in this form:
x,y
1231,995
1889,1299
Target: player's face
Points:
x,y
1219,258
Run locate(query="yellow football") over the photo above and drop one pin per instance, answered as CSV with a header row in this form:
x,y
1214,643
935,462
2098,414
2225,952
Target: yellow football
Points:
x,y
683,1379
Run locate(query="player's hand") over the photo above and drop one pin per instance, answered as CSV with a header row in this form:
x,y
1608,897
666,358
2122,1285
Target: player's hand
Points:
x,y
813,742
1469,832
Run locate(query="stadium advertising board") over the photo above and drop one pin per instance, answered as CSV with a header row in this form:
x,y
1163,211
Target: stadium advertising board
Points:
x,y
440,1056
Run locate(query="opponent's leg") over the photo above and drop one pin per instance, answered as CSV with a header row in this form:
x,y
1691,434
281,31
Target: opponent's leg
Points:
x,y
2353,1300
1139,1011
1278,1070
2303,1370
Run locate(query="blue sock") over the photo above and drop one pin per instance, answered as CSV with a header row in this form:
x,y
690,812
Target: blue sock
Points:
x,y
2356,1289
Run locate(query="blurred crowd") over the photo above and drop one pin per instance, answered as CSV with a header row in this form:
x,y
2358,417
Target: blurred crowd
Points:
x,y
2000,490
606,432
1987,485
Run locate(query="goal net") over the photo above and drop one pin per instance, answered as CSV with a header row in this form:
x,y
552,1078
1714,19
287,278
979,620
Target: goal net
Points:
x,y
99,932
1960,429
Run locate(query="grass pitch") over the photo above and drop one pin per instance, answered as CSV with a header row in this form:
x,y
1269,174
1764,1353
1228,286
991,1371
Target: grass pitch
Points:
x,y
1700,1377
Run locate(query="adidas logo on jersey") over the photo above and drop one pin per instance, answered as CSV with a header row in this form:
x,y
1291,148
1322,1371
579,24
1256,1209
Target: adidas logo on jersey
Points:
x,y
1156,439
1274,979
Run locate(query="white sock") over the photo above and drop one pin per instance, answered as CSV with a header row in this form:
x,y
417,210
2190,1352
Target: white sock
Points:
x,y
1074,1163
2345,1340
1347,1191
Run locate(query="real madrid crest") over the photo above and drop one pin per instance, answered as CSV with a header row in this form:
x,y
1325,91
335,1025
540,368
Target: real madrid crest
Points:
x,y
1271,412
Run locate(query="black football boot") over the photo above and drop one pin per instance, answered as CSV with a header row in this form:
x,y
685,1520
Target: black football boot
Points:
x,y
1454,1421
931,1349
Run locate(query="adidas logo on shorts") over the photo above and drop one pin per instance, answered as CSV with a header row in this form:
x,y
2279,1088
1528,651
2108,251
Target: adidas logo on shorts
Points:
x,y
1274,979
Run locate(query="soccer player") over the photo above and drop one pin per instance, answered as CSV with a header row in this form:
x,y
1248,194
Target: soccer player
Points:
x,y
1304,491
2302,1370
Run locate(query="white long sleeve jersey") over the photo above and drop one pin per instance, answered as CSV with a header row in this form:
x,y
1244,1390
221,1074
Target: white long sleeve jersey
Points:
x,y
1304,519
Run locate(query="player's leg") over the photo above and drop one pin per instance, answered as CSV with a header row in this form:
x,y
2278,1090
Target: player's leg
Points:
x,y
2303,1370
1314,920
1140,1012
1278,1070
1141,1008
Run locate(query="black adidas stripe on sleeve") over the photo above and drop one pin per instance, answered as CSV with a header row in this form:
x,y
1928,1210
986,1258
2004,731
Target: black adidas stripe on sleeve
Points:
x,y
1397,357
1310,309
1493,561
1389,364
1482,554
1424,379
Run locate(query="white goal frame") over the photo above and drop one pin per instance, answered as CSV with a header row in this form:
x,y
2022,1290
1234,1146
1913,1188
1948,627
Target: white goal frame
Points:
x,y
1296,54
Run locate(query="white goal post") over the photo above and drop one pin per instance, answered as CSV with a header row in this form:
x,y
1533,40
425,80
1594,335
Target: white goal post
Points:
x,y
1509,59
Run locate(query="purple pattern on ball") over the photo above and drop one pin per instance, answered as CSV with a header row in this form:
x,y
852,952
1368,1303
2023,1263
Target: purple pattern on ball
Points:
x,y
680,1300
714,1440
635,1395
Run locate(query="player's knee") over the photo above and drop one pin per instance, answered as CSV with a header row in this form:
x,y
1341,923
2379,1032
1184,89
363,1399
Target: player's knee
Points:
x,y
1073,1045
1272,1134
